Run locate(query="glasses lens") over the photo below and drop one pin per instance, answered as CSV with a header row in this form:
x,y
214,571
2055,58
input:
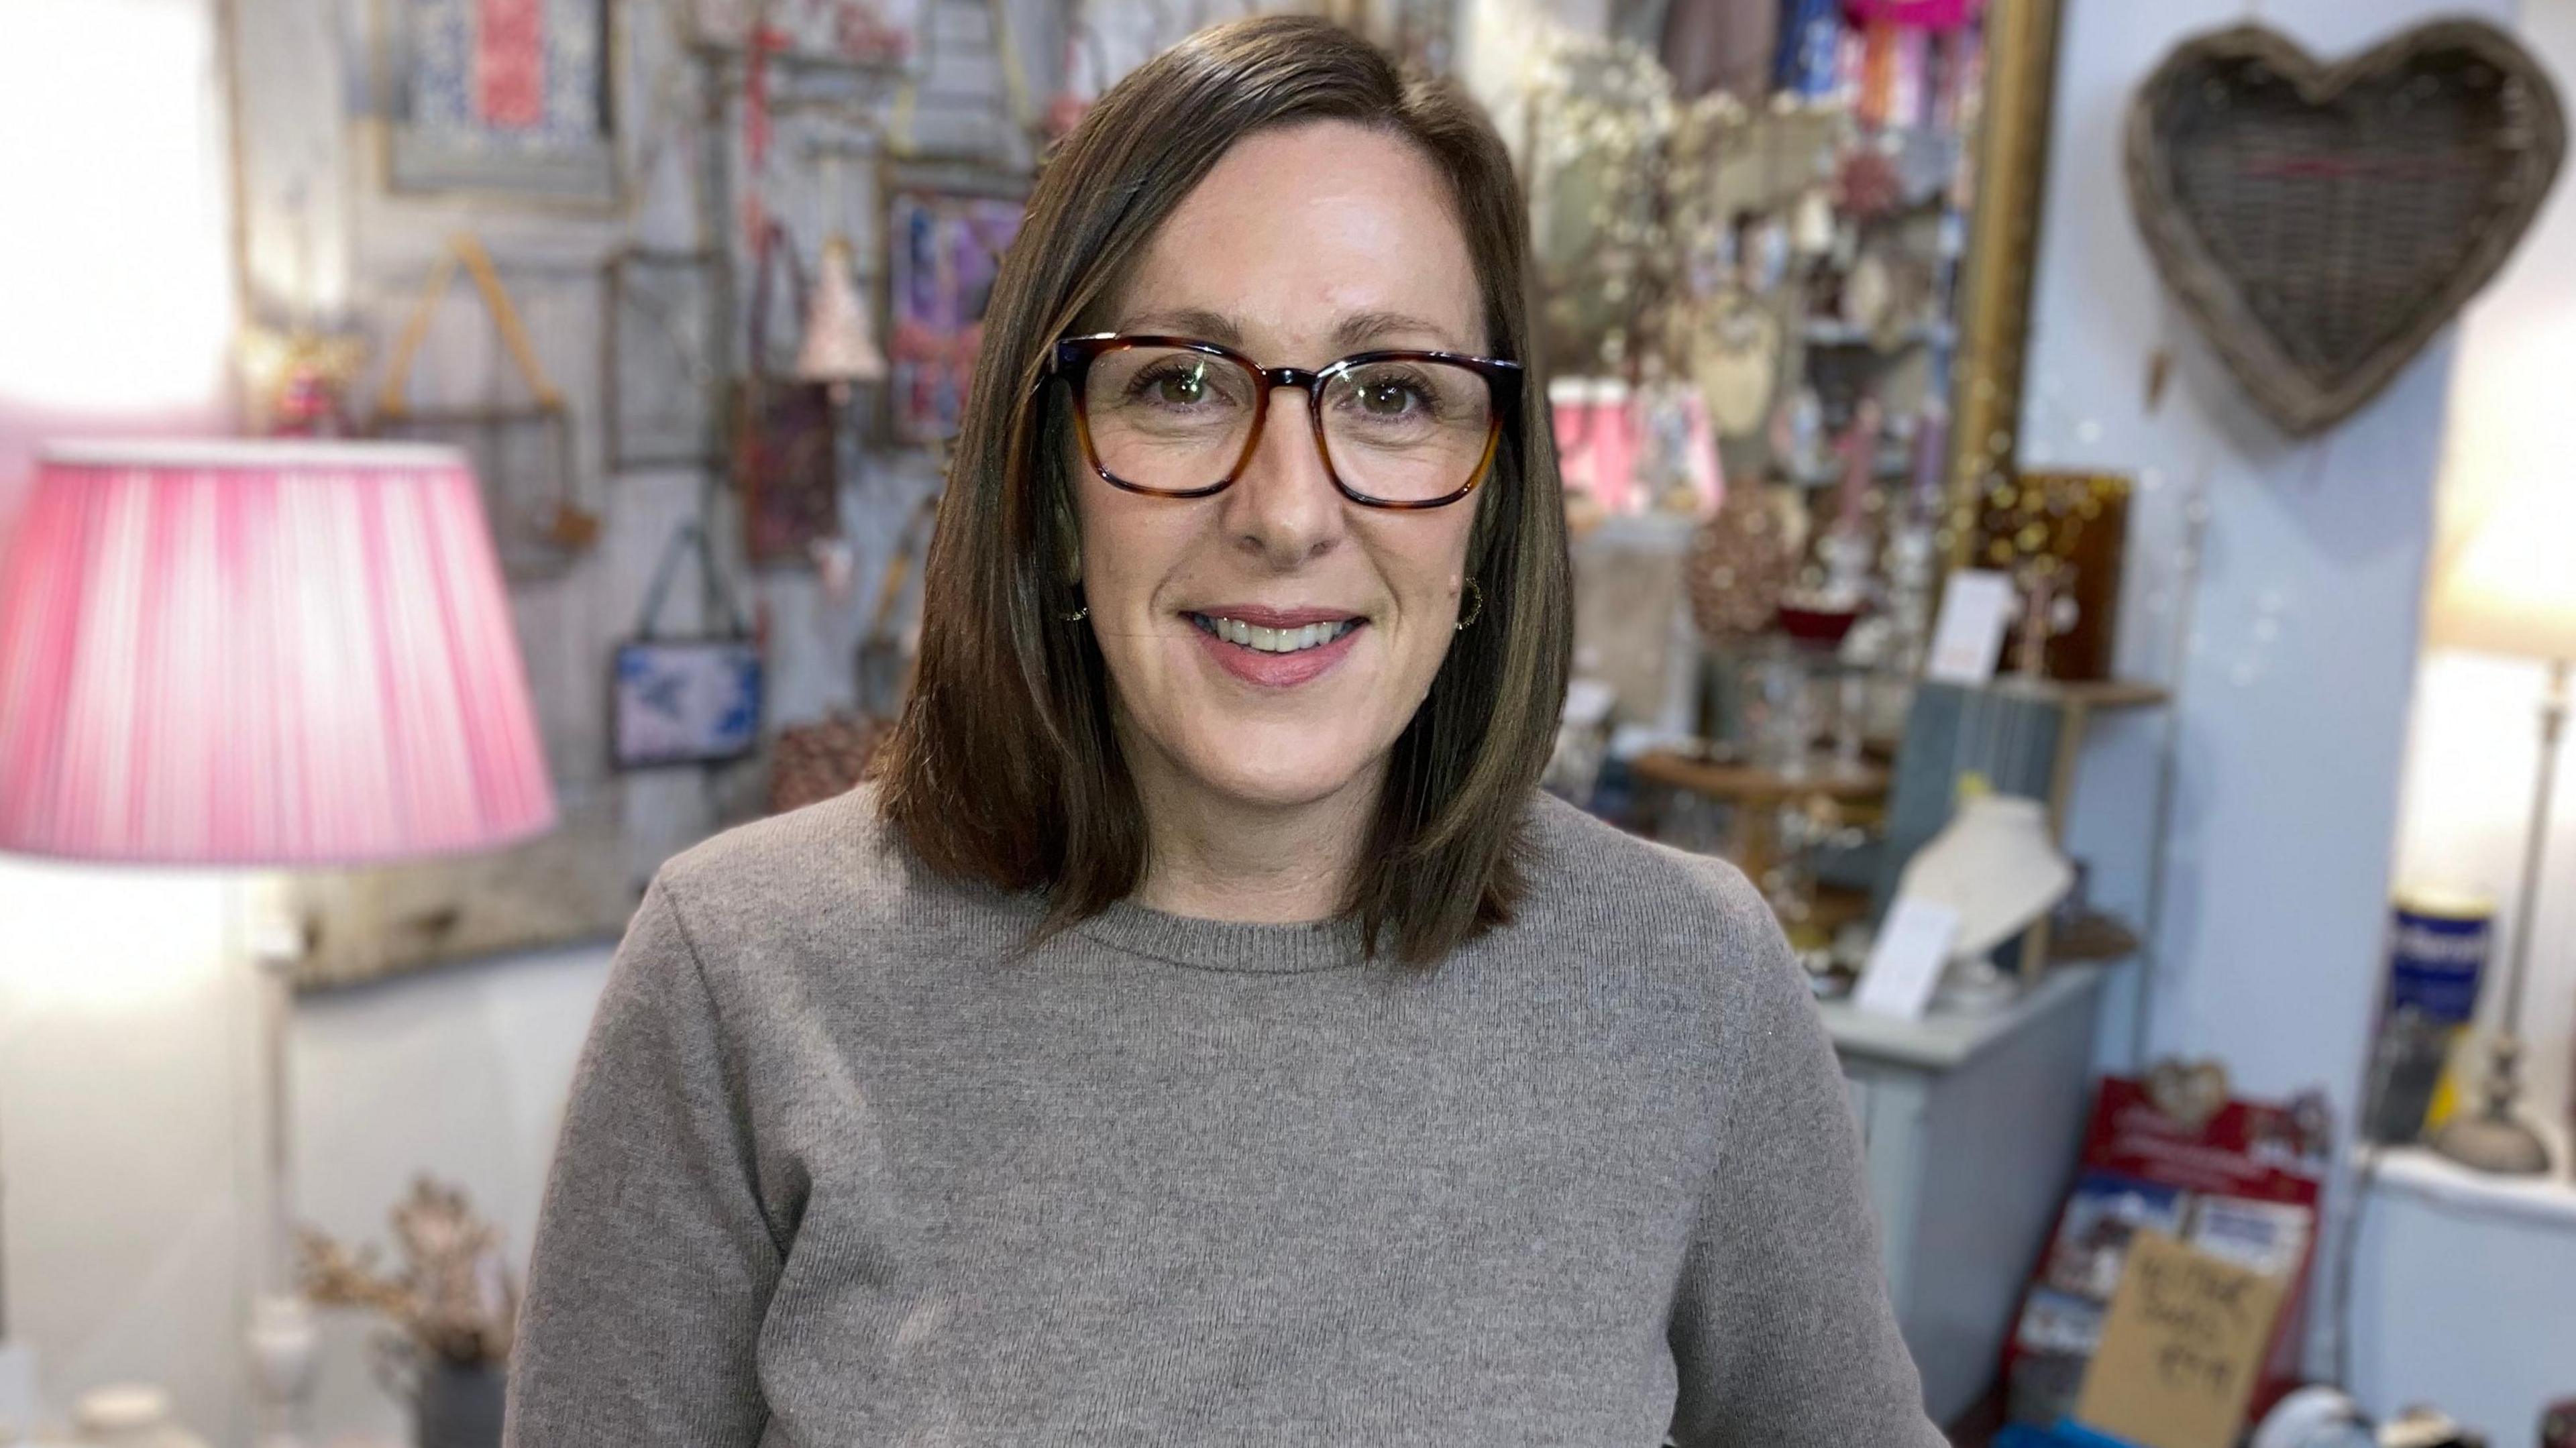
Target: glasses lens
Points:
x,y
1168,419
1408,431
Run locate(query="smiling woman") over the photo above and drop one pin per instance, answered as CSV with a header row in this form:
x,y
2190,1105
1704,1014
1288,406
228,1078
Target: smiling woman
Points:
x,y
1242,232
1204,1031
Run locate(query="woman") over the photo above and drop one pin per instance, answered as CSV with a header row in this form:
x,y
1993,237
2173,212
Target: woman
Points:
x,y
1204,1032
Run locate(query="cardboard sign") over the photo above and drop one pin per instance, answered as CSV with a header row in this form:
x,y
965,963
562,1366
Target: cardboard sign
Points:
x,y
2181,1349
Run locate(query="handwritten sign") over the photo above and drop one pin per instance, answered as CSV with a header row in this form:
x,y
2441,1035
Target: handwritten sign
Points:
x,y
2181,1348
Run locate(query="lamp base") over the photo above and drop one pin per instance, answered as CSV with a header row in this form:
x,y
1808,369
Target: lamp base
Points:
x,y
2491,1138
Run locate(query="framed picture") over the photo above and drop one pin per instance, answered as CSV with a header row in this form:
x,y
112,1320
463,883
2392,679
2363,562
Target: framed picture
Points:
x,y
504,98
685,701
658,384
858,32
947,226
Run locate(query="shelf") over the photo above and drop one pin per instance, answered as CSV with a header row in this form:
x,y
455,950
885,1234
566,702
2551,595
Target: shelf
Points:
x,y
2087,694
1831,332
1747,784
2429,1177
1887,470
1945,1039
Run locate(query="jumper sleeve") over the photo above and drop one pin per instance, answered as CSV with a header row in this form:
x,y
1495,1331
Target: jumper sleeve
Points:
x,y
654,1261
1781,1333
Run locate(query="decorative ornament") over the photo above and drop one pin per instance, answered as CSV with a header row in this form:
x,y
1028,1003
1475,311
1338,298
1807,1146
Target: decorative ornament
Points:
x,y
2188,1093
1739,567
1733,354
2321,222
301,380
840,346
1867,185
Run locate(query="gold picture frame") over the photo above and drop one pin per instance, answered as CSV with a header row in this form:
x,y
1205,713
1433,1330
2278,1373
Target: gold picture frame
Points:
x,y
2003,249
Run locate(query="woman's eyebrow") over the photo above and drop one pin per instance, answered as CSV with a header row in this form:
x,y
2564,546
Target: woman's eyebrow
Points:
x,y
1354,332
1361,328
1196,322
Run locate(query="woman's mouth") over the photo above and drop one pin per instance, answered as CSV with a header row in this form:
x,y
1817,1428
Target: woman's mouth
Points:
x,y
1289,640
1275,649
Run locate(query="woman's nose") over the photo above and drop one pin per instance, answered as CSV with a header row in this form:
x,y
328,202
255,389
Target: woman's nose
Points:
x,y
1284,508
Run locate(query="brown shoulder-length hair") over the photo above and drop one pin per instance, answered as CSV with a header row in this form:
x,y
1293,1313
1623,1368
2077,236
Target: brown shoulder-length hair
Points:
x,y
1004,766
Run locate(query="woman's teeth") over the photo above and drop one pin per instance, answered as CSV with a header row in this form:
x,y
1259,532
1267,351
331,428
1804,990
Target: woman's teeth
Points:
x,y
1274,640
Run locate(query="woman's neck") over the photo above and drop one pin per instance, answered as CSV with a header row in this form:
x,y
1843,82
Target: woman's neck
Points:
x,y
1214,857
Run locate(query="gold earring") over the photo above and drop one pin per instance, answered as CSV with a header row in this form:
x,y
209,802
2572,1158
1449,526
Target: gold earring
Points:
x,y
1078,615
1475,606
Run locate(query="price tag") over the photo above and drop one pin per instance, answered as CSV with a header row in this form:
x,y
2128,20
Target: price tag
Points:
x,y
1976,610
1905,961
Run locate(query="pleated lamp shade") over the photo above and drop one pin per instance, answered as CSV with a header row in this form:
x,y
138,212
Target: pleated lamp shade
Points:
x,y
260,654
840,347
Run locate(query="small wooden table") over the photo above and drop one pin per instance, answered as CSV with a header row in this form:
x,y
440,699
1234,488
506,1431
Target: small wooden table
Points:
x,y
1757,794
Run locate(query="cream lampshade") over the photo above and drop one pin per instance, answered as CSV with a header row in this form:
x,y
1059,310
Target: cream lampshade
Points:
x,y
2508,587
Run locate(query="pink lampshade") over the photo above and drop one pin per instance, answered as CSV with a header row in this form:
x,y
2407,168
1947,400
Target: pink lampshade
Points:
x,y
260,654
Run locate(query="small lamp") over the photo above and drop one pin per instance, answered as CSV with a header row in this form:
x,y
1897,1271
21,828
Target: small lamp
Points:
x,y
279,654
2509,589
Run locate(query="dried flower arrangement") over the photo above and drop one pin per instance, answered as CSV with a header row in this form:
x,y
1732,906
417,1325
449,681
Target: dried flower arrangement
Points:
x,y
454,1297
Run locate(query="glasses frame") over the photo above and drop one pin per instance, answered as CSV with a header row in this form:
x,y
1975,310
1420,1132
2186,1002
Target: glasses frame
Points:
x,y
1072,358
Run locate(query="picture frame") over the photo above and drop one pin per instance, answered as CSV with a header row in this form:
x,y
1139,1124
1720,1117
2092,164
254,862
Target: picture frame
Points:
x,y
660,392
948,223
854,32
678,701
504,99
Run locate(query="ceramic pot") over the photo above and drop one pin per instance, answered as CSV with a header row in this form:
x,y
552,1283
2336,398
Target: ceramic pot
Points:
x,y
458,1405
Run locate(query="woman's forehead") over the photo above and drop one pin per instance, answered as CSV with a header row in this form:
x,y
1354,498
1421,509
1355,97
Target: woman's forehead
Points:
x,y
1325,235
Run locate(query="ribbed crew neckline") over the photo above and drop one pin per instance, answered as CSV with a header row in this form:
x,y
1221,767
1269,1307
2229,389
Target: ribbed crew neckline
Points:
x,y
1229,945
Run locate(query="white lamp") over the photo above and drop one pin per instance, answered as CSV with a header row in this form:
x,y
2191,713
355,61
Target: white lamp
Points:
x,y
2510,588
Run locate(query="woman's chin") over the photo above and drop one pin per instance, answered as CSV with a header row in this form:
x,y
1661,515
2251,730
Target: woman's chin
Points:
x,y
1248,777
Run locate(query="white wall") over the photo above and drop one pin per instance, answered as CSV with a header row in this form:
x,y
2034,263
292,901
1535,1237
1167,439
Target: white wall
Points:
x,y
2474,747
460,1074
126,1086
2299,657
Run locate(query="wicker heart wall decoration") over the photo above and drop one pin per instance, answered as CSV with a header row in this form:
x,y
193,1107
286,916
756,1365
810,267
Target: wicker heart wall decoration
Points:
x,y
2321,222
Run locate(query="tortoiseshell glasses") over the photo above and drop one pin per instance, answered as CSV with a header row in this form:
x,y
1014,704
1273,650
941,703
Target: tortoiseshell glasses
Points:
x,y
1179,418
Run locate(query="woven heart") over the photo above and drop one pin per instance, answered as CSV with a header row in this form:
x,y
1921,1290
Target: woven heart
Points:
x,y
2322,222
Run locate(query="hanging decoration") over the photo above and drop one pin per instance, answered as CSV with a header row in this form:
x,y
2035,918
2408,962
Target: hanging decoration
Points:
x,y
2320,223
523,452
786,462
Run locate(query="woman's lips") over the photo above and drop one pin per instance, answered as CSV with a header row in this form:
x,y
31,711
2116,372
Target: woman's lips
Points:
x,y
1268,670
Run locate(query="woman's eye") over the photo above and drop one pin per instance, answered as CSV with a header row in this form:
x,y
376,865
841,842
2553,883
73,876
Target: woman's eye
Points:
x,y
1387,399
1177,386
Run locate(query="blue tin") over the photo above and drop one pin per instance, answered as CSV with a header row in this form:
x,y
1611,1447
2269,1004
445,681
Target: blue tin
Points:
x,y
2437,954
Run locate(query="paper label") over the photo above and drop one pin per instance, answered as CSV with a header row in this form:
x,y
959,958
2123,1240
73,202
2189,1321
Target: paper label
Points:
x,y
1976,609
1905,961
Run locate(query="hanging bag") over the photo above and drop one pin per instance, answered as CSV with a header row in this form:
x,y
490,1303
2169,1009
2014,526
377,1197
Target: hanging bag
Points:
x,y
522,455
786,462
689,700
817,761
